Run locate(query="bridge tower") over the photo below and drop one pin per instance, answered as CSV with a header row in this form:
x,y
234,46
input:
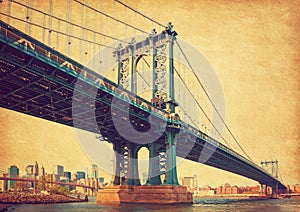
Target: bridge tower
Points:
x,y
160,48
274,172
162,152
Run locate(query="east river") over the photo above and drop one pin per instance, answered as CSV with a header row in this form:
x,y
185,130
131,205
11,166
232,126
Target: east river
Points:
x,y
203,205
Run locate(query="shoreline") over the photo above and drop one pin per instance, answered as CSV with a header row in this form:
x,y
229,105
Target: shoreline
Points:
x,y
5,207
11,199
236,196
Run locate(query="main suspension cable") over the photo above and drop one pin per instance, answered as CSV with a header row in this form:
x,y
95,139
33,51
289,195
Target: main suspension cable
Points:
x,y
213,104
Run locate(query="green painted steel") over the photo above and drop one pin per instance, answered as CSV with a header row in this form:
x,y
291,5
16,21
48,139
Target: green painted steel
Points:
x,y
171,178
154,176
133,176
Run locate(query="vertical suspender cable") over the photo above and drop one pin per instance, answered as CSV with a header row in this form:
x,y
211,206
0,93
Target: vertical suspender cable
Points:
x,y
57,34
28,17
9,11
85,45
44,28
50,22
69,26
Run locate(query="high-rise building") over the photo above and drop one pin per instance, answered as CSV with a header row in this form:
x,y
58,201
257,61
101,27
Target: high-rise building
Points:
x,y
43,171
13,172
94,171
59,170
80,175
36,169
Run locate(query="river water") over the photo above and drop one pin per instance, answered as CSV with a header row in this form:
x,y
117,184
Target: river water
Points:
x,y
203,205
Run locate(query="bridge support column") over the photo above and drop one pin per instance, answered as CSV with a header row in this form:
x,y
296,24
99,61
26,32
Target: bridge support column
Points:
x,y
171,172
261,188
275,190
154,171
133,172
117,150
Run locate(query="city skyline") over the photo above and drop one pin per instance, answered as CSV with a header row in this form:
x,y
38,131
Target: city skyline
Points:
x,y
261,93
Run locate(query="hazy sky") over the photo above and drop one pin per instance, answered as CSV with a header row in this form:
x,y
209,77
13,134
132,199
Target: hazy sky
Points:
x,y
252,45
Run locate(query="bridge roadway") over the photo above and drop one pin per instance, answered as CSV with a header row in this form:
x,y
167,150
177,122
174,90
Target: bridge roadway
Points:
x,y
39,81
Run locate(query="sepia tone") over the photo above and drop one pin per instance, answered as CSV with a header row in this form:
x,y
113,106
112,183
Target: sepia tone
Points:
x,y
254,48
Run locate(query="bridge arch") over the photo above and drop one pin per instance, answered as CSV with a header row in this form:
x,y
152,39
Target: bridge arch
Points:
x,y
143,164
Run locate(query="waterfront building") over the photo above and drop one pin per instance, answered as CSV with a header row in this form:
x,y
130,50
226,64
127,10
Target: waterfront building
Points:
x,y
235,190
188,182
219,190
227,189
296,188
203,191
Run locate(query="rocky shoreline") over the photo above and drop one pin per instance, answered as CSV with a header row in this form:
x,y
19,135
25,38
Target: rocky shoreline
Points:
x,y
12,198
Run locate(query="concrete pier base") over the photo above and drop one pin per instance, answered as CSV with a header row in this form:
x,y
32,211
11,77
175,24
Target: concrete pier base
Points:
x,y
163,194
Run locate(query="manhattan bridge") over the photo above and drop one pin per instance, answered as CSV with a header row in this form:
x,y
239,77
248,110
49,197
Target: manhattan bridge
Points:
x,y
115,72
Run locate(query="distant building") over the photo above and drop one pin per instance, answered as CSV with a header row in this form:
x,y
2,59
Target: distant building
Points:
x,y
52,178
36,169
255,189
68,175
43,171
227,189
29,171
13,172
4,184
219,190
74,177
188,182
94,173
195,181
203,191
59,170
80,175
296,188
101,179
235,190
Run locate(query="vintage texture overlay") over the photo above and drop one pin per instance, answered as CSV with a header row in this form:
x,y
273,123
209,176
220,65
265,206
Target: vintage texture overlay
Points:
x,y
254,48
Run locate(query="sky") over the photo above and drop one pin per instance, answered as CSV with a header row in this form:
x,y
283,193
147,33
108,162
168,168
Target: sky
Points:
x,y
253,47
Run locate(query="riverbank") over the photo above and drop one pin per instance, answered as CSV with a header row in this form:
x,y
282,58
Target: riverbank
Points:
x,y
4,207
237,196
30,198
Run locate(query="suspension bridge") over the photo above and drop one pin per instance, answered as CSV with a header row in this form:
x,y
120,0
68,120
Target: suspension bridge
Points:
x,y
133,94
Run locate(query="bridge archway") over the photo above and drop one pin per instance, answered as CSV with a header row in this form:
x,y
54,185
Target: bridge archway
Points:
x,y
143,164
